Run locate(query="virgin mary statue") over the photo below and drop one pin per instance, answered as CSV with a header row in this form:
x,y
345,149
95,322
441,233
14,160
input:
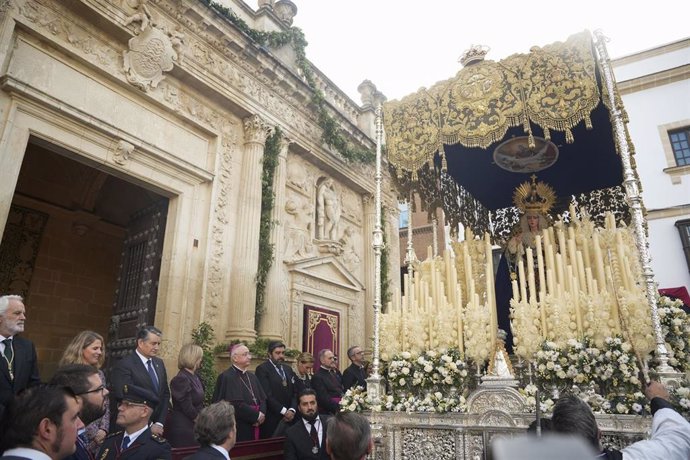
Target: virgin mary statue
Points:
x,y
534,200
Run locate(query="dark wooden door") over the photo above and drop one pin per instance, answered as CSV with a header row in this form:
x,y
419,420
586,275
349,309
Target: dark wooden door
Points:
x,y
135,297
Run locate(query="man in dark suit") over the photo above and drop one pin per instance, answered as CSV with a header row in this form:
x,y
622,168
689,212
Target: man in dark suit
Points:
x,y
306,439
41,422
18,363
243,390
276,379
144,369
354,375
327,385
216,431
137,440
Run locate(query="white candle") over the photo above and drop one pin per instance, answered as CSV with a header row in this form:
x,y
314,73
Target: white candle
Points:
x,y
598,260
540,269
530,276
521,278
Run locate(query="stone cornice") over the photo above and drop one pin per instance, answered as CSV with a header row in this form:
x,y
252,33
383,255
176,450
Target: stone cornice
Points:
x,y
216,34
663,77
216,53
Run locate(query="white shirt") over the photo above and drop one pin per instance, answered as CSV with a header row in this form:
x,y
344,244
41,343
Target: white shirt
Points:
x,y
317,425
670,439
221,450
33,454
135,435
145,361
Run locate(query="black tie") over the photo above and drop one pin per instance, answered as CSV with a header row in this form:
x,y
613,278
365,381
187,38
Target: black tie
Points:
x,y
313,433
9,353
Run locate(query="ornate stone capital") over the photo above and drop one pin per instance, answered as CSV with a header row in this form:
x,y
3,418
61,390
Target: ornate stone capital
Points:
x,y
256,130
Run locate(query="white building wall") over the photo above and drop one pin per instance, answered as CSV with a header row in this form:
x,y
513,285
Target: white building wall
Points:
x,y
655,87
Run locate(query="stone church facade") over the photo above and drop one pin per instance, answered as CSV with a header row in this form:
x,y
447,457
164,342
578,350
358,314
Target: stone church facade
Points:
x,y
131,142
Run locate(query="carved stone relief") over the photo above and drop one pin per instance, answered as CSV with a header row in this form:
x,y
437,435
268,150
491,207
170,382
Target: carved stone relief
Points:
x,y
299,177
151,52
350,243
299,221
73,33
220,222
352,207
122,153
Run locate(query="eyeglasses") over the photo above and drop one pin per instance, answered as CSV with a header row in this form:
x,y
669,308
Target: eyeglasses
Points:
x,y
95,390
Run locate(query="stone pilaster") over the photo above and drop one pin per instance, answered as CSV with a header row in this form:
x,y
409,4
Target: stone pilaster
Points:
x,y
246,255
369,267
276,308
393,243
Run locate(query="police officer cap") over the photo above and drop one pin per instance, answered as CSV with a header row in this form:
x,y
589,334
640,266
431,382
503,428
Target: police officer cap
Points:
x,y
139,395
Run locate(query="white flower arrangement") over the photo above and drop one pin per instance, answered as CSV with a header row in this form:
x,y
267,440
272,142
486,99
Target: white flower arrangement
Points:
x,y
355,400
675,326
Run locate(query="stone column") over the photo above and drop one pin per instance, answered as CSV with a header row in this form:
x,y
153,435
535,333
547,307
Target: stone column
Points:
x,y
369,268
275,306
247,222
393,243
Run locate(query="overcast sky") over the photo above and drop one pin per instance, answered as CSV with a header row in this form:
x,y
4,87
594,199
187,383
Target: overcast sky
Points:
x,y
404,45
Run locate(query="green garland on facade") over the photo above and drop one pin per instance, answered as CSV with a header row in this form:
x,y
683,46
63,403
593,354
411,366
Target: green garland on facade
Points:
x,y
270,162
332,134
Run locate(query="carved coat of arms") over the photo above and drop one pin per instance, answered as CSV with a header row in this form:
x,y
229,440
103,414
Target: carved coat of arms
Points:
x,y
150,54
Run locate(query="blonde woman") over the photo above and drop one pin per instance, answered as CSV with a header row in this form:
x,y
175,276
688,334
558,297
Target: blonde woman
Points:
x,y
303,371
88,347
187,397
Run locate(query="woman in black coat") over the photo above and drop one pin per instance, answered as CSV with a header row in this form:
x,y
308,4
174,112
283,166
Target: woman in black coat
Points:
x,y
187,397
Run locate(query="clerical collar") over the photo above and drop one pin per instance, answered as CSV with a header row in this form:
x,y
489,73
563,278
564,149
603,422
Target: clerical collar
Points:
x,y
240,370
328,369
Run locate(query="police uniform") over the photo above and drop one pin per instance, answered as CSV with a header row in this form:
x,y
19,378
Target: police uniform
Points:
x,y
147,446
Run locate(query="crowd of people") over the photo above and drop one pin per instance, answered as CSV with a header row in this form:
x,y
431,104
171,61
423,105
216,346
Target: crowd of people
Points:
x,y
78,416
137,414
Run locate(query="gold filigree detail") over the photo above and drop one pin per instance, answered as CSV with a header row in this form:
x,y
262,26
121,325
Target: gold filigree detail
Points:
x,y
554,87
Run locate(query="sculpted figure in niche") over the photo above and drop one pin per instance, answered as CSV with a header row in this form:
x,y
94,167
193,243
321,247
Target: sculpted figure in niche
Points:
x,y
327,211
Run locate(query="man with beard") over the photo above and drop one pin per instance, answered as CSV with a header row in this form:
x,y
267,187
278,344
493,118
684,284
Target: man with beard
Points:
x,y
18,363
306,439
137,440
41,423
92,397
243,390
276,379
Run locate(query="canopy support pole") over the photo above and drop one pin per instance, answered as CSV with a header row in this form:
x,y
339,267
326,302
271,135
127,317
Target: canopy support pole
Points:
x,y
374,383
632,190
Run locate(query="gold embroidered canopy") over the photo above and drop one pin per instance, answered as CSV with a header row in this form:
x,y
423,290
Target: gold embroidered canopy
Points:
x,y
496,123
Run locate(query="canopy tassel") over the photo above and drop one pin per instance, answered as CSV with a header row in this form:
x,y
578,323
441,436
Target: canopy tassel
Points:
x,y
569,136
